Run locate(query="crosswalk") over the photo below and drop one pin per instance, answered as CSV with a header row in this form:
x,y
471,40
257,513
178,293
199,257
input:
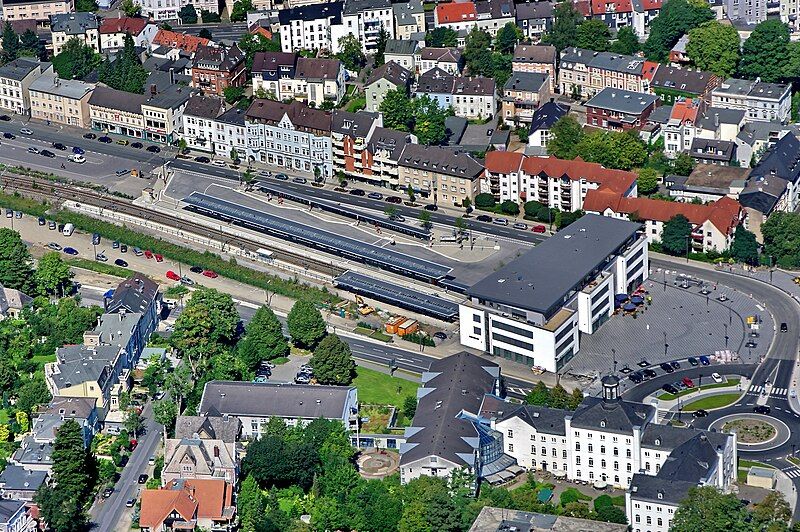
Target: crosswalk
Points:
x,y
773,392
792,473
518,390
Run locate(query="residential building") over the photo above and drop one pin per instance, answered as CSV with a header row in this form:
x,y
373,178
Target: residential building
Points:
x,y
199,119
188,504
231,134
81,26
543,119
708,183
409,18
292,136
712,151
15,516
138,293
309,27
182,42
113,31
757,137
671,83
289,76
254,404
584,73
402,52
387,77
535,18
61,101
532,309
191,457
117,112
159,10
540,59
558,183
456,16
712,224
216,68
38,10
449,176
494,14
33,455
19,483
364,19
163,112
492,519
677,55
470,97
446,59
522,95
619,110
208,427
82,410
622,13
720,123
15,82
749,12
12,302
762,102
679,131
84,371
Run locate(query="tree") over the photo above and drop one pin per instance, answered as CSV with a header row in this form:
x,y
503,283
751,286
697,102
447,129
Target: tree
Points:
x,y
714,47
485,200
251,43
564,138
398,113
509,207
409,406
15,262
765,54
126,72
429,121
233,94
539,395
86,6
351,54
559,398
507,38
780,233
425,219
32,46
675,235
263,339
240,10
32,394
205,33
593,34
676,18
773,513
383,38
333,362
133,422
130,8
627,42
744,247
575,399
10,42
683,164
179,384
211,17
5,433
188,14
53,275
706,508
207,326
411,195
442,37
305,324
564,32
22,421
165,412
647,182
250,505
612,149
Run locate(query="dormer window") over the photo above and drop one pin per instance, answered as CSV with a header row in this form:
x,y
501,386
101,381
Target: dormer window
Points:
x,y
660,495
658,441
603,423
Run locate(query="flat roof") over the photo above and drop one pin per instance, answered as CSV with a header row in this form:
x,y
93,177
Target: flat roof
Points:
x,y
541,279
317,238
430,305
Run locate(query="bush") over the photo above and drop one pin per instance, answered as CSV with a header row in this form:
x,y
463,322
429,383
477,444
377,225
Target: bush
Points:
x,y
421,339
531,208
484,201
568,496
509,207
602,501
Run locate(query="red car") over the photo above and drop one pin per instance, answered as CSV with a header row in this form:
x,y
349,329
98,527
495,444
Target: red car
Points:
x,y
173,276
538,229
688,382
159,257
210,273
148,254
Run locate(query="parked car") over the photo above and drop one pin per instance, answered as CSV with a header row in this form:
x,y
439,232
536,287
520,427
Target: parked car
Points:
x,y
130,502
375,195
77,151
95,239
172,276
440,335
784,327
9,136
47,153
219,162
282,177
5,118
500,221
17,214
70,251
121,263
394,199
716,377
357,192
54,246
101,257
704,360
666,366
41,220
33,149
636,377
675,364
692,361
137,145
521,226
148,254
108,492
202,159
762,409
142,478
433,208
300,180
159,257
51,225
138,252
211,274
90,136
76,158
123,248
688,382
122,171
26,131
187,281
649,373
153,149
669,388
105,140
485,218
115,244
59,146
123,142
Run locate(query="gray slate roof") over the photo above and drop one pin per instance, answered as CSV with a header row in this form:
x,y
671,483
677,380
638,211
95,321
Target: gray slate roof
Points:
x,y
627,64
134,294
528,53
8,508
392,72
542,418
611,416
74,23
71,407
117,100
401,46
79,363
659,490
329,10
67,88
714,116
440,160
682,79
754,89
16,477
404,12
692,461
779,166
670,437
213,428
204,107
660,115
388,139
535,10
233,116
547,115
354,7
622,101
19,69
356,125
525,81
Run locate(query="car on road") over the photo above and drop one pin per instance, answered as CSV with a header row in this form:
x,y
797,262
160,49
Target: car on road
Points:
x,y
47,153
33,149
9,136
539,229
159,257
90,136
357,192
784,327
649,373
670,388
76,158
692,361
666,366
101,257
762,409
137,145
187,281
375,195
123,248
130,502
123,142
300,180
41,221
202,159
121,263
717,377
433,208
210,273
148,254
138,252
219,162
151,460
688,382
675,364
489,132
394,199
281,177
5,118
153,149
484,218
122,171
115,244
440,335
142,478
78,151
700,413
172,276
521,226
107,492
636,377
59,146
105,140
704,360
196,269
54,246
51,225
95,239
500,221
26,131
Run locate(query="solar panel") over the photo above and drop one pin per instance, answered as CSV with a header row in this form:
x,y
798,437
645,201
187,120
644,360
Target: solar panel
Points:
x,y
317,238
403,297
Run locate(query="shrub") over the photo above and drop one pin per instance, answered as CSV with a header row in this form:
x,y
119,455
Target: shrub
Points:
x,y
509,207
602,501
484,201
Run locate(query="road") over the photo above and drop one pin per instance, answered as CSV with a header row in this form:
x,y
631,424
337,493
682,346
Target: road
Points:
x,y
105,514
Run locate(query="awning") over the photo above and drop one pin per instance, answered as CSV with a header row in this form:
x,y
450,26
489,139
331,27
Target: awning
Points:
x,y
494,479
637,300
505,475
559,473
545,494
629,307
599,485
621,297
515,469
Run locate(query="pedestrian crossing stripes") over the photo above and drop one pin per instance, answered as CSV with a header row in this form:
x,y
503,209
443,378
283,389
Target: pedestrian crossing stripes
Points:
x,y
792,473
775,392
518,391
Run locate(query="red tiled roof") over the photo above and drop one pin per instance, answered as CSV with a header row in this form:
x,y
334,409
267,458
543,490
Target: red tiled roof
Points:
x,y
212,495
173,39
685,111
455,12
584,7
131,25
158,504
190,498
601,7
503,162
649,70
723,213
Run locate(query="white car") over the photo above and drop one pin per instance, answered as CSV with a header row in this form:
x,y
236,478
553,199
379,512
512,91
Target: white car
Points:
x,y
717,377
77,158
219,162
26,131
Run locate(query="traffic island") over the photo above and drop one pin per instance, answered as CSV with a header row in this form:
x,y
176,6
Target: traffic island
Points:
x,y
749,431
754,432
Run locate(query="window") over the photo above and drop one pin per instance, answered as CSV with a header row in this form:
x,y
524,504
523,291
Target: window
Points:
x,y
510,433
616,451
511,447
602,449
590,447
533,449
577,446
603,463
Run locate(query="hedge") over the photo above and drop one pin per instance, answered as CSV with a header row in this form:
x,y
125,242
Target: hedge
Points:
x,y
100,267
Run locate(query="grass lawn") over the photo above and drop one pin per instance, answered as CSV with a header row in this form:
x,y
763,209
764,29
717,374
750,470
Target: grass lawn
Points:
x,y
752,463
99,267
372,333
670,397
713,401
379,388
280,360
44,359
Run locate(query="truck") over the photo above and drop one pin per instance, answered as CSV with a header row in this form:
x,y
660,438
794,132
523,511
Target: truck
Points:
x,y
363,308
68,229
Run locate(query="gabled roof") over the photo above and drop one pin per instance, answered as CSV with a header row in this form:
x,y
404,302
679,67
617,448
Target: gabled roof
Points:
x,y
404,12
270,61
392,72
441,160
355,7
190,499
685,111
616,415
74,23
542,418
778,167
71,407
437,81
206,456
547,115
528,53
9,508
328,10
218,57
456,12
15,477
158,504
626,64
442,55
355,125
526,81
713,117
204,107
683,79
390,140
20,68
312,68
659,490
623,101
184,41
225,429
300,114
401,46
534,10
134,294
132,25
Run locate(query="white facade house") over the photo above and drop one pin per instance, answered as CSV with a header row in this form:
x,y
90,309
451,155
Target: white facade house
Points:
x,y
762,102
534,309
15,82
473,98
309,27
364,19
288,76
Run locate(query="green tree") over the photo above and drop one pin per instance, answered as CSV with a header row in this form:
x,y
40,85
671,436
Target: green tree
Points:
x,y
744,247
251,506
429,121
559,398
593,34
683,164
612,149
155,375
53,275
60,510
305,324
397,110
188,14
409,406
11,44
383,38
251,43
539,395
411,194
5,433
714,47
765,54
126,72
32,46
564,32
23,421
773,513
210,17
675,235
507,38
706,508
484,200
15,262
647,182
240,10
133,422
565,135
86,6
441,37
263,339
351,54
676,18
333,362
207,326
627,42
130,8
179,384
165,412
575,399
781,239
425,219
509,207
374,506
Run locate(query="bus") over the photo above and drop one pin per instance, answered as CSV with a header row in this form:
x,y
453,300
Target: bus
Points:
x,y
265,254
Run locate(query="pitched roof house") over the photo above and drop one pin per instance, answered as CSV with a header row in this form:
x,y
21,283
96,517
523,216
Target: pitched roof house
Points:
x,y
188,505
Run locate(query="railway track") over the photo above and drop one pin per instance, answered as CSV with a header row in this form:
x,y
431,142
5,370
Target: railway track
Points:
x,y
51,190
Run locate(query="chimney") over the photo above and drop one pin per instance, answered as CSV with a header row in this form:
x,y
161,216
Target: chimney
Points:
x,y
153,90
172,76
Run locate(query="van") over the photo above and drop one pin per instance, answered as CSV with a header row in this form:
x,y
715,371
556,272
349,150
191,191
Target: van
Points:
x,y
68,229
448,238
539,229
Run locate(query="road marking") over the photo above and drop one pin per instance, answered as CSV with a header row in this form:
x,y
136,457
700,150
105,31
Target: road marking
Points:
x,y
749,404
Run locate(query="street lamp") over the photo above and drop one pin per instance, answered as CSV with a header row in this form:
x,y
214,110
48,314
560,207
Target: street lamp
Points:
x,y
725,325
614,358
666,345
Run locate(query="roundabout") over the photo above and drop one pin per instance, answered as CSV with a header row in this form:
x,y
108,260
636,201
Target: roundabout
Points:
x,y
754,432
